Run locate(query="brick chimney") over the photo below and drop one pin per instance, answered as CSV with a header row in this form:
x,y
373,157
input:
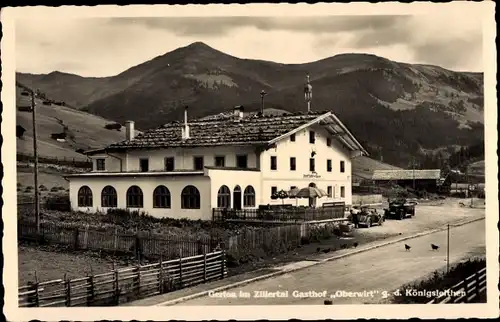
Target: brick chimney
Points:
x,y
185,129
129,130
238,112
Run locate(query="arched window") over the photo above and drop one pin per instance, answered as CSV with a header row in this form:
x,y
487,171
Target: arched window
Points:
x,y
135,197
249,197
190,198
84,197
161,197
109,197
224,197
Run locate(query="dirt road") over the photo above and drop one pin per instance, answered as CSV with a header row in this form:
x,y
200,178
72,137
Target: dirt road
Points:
x,y
382,269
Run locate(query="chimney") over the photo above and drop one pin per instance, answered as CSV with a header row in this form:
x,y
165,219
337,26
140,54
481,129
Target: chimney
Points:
x,y
129,130
185,129
238,112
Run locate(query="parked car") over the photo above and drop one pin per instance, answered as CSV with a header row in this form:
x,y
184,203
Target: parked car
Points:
x,y
399,208
367,216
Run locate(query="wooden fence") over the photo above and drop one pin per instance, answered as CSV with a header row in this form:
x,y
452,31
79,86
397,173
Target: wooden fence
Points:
x,y
140,244
469,290
280,214
125,285
268,240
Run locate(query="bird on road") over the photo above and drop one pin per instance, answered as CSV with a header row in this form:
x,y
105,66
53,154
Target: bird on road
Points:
x,y
434,247
318,249
355,245
407,247
326,250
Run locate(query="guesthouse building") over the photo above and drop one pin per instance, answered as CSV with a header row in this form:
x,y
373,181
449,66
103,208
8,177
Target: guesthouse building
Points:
x,y
186,169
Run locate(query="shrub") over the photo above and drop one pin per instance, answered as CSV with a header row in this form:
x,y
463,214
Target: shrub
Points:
x,y
58,202
43,188
54,189
19,185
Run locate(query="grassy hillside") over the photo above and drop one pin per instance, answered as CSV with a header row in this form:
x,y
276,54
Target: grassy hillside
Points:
x,y
397,110
83,130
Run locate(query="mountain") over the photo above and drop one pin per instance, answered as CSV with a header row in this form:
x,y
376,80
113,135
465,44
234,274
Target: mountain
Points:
x,y
396,110
81,131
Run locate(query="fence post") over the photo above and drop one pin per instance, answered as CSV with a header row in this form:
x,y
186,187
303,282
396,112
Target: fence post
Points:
x,y
33,299
160,276
477,275
223,262
213,214
86,237
115,239
116,288
137,281
67,285
466,290
76,238
204,267
180,268
90,290
200,249
137,248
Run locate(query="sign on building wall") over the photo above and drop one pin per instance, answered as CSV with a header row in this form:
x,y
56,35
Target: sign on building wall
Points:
x,y
311,175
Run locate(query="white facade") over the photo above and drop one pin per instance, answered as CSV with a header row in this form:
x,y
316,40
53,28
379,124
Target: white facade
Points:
x,y
122,170
283,178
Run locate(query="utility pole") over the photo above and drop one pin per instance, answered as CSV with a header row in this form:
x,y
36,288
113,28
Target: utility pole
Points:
x,y
413,171
262,94
35,152
448,252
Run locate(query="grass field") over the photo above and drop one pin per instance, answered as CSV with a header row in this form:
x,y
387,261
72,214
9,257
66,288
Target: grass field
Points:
x,y
84,130
47,177
50,265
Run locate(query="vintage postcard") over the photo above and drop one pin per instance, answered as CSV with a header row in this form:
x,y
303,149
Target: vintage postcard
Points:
x,y
250,161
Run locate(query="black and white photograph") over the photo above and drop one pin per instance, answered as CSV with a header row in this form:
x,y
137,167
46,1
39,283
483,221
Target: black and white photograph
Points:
x,y
250,160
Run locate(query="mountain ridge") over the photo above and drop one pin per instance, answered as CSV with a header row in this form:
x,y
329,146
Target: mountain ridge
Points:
x,y
412,107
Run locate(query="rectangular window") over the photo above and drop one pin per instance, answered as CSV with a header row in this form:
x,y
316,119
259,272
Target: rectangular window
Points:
x,y
292,137
274,163
312,137
100,164
312,165
169,164
329,165
342,166
274,190
144,164
220,161
198,163
328,141
293,166
242,161
342,192
329,191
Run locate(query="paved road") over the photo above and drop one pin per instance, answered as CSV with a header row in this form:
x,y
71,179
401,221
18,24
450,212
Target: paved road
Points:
x,y
381,269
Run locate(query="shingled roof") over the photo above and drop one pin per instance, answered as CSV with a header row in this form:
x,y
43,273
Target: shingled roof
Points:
x,y
406,174
229,130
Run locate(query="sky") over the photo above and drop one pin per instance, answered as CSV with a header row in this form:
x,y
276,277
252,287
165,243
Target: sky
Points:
x,y
106,46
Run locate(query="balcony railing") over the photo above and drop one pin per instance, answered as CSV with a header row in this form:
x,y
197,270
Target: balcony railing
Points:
x,y
280,214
